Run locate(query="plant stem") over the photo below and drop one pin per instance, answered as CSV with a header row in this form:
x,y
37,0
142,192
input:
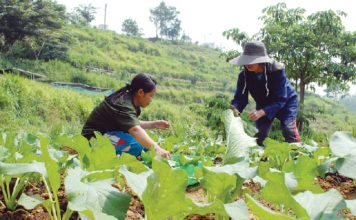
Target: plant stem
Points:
x,y
51,198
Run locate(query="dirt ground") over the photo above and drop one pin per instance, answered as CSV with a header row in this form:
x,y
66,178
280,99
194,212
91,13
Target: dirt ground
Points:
x,y
344,185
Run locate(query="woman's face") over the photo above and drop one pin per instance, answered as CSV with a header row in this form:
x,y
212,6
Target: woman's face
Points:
x,y
145,98
257,68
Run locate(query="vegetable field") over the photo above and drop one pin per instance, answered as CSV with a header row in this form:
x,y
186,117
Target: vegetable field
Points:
x,y
68,178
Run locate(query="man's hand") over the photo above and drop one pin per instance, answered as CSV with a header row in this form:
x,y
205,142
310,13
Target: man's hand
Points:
x,y
255,115
161,124
162,152
235,111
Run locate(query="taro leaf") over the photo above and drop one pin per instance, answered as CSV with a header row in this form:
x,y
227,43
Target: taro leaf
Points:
x,y
324,206
137,182
241,168
262,212
237,210
78,143
98,198
164,196
220,185
18,169
132,163
30,202
304,170
277,192
226,181
238,142
91,156
167,193
343,145
277,153
351,204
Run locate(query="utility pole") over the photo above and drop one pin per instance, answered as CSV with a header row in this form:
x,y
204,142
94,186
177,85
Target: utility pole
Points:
x,y
105,17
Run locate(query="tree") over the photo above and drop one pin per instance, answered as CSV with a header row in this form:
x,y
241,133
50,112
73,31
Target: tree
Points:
x,y
25,18
130,28
185,38
315,49
83,14
174,30
165,20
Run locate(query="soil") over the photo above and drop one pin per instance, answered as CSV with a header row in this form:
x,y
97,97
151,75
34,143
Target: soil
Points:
x,y
346,186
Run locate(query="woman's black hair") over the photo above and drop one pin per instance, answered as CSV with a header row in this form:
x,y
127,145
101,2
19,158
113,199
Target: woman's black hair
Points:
x,y
143,81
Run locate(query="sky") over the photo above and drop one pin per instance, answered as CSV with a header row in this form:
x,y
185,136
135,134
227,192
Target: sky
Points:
x,y
205,20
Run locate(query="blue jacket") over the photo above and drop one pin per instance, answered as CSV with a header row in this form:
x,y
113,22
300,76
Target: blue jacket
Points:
x,y
275,95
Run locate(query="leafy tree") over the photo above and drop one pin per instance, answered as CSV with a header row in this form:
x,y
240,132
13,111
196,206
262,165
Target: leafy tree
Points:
x,y
165,20
315,49
52,45
174,30
185,38
83,14
130,28
25,18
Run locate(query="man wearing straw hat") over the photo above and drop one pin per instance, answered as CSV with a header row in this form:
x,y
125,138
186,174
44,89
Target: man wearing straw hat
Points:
x,y
267,83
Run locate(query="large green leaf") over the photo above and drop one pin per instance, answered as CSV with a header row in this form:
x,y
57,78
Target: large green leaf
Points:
x,y
91,155
305,171
167,192
343,145
164,196
237,210
241,168
277,192
238,142
277,152
99,197
220,185
262,212
30,202
132,163
324,206
137,182
18,169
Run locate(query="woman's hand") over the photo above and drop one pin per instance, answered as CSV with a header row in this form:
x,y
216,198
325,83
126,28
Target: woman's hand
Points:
x,y
161,124
162,152
255,115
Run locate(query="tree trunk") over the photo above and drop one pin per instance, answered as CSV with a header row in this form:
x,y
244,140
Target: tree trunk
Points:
x,y
301,104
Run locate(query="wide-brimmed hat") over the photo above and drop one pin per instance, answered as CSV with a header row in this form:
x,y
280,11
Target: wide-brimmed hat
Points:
x,y
254,52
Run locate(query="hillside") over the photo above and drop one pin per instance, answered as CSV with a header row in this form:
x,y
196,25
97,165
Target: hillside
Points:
x,y
93,51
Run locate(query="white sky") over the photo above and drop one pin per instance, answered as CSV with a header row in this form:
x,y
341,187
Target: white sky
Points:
x,y
205,20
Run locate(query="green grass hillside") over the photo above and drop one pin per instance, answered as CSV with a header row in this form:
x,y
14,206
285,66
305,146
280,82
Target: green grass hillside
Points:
x,y
116,57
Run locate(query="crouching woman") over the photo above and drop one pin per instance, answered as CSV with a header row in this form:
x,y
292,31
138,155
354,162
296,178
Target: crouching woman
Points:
x,y
117,118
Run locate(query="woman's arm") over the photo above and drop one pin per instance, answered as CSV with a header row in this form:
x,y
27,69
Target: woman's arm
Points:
x,y
158,124
142,137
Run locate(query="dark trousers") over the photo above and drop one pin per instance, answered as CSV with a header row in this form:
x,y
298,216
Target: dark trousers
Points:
x,y
289,131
